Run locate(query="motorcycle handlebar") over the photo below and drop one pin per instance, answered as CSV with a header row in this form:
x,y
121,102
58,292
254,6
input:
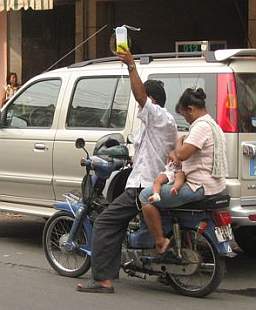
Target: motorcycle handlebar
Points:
x,y
96,161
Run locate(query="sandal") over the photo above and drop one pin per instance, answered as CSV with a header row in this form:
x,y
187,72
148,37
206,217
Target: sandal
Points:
x,y
94,287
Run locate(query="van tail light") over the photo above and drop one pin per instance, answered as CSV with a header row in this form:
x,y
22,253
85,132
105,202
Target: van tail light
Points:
x,y
222,218
252,217
227,109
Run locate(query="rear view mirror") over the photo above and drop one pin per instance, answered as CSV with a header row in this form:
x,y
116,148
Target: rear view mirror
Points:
x,y
80,143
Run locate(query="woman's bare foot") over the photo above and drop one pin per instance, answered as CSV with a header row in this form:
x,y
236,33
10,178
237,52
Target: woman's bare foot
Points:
x,y
162,245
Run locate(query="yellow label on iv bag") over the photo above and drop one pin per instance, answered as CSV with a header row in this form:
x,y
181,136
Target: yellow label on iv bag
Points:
x,y
121,39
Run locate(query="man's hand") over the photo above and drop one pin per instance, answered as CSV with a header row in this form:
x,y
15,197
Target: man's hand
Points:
x,y
125,56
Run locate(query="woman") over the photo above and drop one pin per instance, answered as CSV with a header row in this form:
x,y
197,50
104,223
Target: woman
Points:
x,y
11,87
202,153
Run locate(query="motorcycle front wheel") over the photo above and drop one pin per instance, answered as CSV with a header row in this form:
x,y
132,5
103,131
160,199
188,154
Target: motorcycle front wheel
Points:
x,y
56,230
205,267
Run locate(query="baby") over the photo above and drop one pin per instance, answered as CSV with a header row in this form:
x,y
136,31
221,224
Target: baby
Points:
x,y
172,175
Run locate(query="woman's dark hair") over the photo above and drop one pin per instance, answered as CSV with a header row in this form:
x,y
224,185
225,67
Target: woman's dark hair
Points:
x,y
9,77
191,97
155,89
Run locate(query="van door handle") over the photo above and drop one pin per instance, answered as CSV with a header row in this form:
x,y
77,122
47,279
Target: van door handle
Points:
x,y
40,147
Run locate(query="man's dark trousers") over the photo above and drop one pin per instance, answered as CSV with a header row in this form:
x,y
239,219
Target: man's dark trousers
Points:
x,y
108,234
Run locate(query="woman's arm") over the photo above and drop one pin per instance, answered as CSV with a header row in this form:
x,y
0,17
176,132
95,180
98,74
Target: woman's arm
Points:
x,y
182,151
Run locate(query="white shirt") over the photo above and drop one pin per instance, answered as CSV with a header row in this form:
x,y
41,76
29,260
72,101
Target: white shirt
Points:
x,y
155,139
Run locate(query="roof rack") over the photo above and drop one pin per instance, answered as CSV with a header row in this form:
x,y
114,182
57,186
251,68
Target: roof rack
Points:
x,y
227,54
210,56
144,58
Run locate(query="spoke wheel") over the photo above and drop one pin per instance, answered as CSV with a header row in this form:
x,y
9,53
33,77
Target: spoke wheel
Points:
x,y
56,230
202,261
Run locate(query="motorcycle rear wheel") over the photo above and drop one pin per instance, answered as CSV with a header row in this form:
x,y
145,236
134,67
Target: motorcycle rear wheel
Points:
x,y
209,272
69,264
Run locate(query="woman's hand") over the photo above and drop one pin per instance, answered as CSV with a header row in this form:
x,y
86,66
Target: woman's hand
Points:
x,y
173,157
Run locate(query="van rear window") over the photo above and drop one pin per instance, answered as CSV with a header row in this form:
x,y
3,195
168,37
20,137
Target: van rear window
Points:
x,y
175,84
246,93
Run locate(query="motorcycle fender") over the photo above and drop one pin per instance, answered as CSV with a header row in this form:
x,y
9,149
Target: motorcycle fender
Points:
x,y
64,206
222,248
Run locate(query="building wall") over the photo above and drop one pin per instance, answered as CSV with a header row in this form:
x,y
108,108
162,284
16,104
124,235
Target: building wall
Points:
x,y
3,49
163,22
252,23
86,16
15,43
47,44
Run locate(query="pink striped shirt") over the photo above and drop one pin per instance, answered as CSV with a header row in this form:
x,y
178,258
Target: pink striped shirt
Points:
x,y
198,168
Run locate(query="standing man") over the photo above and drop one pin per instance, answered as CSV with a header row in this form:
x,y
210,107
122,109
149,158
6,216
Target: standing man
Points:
x,y
155,139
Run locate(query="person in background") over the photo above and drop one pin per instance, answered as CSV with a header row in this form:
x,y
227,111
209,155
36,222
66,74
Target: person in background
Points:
x,y
11,87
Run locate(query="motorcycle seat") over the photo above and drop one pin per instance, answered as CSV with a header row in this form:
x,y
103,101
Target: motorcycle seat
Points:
x,y
213,202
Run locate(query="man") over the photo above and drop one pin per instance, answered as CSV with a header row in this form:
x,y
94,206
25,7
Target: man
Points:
x,y
156,138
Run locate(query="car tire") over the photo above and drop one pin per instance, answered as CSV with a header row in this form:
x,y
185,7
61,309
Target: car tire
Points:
x,y
246,239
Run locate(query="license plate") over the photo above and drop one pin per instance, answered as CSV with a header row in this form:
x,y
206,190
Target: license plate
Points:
x,y
223,233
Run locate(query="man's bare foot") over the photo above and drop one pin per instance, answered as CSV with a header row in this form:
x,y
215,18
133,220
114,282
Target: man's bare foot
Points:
x,y
163,245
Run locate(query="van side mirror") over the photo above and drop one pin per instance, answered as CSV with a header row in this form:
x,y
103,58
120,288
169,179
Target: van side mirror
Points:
x,y
80,143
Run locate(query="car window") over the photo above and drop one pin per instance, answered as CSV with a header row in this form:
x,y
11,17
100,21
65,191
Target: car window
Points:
x,y
100,102
175,84
246,93
35,106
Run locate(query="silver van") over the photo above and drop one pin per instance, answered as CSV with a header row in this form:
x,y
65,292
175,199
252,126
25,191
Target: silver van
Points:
x,y
38,160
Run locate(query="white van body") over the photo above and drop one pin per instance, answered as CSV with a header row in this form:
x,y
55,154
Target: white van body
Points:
x,y
40,123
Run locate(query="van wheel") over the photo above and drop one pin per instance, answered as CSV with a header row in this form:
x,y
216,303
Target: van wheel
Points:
x,y
246,239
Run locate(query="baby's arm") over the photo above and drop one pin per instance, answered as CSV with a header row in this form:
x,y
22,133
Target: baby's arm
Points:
x,y
159,181
179,181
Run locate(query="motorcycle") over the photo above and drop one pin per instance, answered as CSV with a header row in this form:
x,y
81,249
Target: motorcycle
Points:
x,y
200,232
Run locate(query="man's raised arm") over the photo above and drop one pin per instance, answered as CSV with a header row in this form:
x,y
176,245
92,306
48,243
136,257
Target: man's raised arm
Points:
x,y
137,86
